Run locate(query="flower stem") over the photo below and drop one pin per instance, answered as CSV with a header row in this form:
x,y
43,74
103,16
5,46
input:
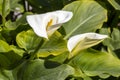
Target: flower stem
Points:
x,y
33,55
3,12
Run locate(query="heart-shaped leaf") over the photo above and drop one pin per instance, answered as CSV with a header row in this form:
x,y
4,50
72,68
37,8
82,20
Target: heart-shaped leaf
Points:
x,y
96,63
37,70
88,16
28,40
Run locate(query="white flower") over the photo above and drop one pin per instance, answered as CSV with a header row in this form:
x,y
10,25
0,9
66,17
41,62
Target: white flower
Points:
x,y
46,24
83,41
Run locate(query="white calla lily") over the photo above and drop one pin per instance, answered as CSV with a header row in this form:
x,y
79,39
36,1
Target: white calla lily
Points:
x,y
46,24
83,41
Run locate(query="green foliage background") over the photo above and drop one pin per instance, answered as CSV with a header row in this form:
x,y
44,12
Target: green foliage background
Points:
x,y
18,42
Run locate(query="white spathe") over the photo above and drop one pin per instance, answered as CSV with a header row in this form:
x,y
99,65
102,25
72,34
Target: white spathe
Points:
x,y
46,24
87,38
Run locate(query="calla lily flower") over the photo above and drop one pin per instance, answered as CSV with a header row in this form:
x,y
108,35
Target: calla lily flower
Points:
x,y
44,25
83,41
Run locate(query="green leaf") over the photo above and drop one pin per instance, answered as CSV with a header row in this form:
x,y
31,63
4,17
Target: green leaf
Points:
x,y
37,70
10,25
96,63
54,46
88,16
4,47
5,8
9,60
6,74
59,58
9,55
10,5
105,31
114,41
115,4
28,40
1,37
4,61
16,6
17,50
1,1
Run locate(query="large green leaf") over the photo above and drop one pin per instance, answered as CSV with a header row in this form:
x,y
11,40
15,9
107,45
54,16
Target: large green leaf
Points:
x,y
115,4
28,40
54,46
94,63
39,70
88,16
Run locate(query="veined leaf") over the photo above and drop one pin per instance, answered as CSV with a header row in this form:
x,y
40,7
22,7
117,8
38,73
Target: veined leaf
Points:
x,y
37,70
28,40
95,63
54,46
88,16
